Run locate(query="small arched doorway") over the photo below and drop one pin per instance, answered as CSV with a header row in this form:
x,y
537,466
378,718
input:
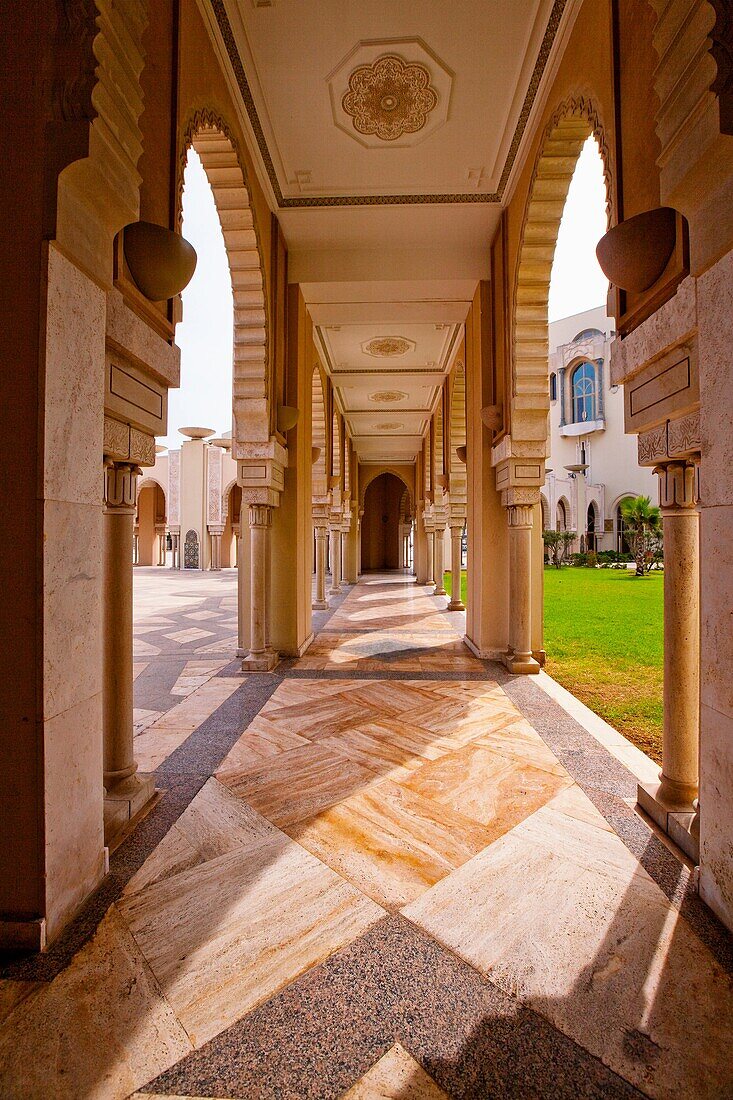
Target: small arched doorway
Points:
x,y
150,524
591,529
380,529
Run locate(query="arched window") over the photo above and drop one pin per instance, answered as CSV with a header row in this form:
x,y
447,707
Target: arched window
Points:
x,y
553,387
562,516
584,392
591,532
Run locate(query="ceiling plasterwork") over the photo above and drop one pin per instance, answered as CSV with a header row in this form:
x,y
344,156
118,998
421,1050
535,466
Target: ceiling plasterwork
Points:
x,y
388,426
387,347
434,117
388,396
389,98
390,93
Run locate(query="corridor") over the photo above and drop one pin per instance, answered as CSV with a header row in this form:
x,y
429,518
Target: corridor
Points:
x,y
387,869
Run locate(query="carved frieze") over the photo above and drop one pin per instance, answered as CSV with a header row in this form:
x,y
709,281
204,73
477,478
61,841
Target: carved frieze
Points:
x,y
213,489
142,448
683,435
652,445
174,487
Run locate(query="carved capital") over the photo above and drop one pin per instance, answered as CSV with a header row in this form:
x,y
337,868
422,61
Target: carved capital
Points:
x,y
520,515
677,486
120,487
260,515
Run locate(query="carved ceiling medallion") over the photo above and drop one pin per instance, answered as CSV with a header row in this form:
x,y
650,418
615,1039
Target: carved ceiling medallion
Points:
x,y
388,426
387,396
390,97
384,347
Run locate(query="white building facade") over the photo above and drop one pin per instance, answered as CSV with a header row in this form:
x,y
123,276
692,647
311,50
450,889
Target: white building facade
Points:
x,y
593,464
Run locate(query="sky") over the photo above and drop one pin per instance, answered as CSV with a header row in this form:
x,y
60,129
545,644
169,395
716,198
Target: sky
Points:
x,y
205,334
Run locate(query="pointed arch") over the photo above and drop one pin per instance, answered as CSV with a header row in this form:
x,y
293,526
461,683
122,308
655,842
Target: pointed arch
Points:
x,y
573,122
212,139
318,432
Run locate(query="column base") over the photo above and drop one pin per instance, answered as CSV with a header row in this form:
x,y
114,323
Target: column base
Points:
x,y
521,664
124,801
263,662
439,591
456,605
334,591
320,605
675,815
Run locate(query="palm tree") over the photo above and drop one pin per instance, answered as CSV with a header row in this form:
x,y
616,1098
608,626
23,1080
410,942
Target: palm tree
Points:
x,y
643,530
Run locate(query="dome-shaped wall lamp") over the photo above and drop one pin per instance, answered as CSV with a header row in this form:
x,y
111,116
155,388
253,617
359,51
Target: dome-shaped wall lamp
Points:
x,y
315,455
461,453
576,468
493,417
161,262
287,417
634,253
196,433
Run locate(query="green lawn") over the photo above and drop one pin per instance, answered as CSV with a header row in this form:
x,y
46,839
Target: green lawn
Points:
x,y
604,642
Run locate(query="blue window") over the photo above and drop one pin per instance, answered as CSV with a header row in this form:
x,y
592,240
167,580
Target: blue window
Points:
x,y
584,393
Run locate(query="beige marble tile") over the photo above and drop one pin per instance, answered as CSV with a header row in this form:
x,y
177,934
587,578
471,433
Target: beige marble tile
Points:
x,y
514,737
594,946
214,823
226,935
298,784
497,791
155,744
396,1076
101,1029
261,740
391,843
12,994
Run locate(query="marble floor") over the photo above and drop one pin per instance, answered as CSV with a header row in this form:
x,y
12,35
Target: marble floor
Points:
x,y
385,870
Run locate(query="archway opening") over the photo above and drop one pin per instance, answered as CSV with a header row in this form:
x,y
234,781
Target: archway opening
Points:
x,y
380,530
150,524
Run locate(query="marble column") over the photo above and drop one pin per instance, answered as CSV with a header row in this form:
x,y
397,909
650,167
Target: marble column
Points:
x,y
320,602
126,791
456,536
358,543
215,533
260,657
335,555
175,551
519,659
677,788
343,553
429,556
439,556
160,531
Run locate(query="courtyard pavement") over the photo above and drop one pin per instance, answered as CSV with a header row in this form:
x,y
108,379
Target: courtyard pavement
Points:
x,y
387,869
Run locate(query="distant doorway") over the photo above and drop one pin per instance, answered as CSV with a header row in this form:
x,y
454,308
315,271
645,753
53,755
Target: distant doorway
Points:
x,y
380,529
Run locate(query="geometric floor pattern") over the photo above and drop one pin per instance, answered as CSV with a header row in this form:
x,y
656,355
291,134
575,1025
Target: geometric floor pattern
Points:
x,y
386,870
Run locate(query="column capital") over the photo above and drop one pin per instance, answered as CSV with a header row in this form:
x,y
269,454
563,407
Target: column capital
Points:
x,y
215,528
519,515
677,486
260,515
120,484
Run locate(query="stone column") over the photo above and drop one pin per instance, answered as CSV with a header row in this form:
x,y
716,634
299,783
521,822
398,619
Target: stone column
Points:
x,y
429,556
126,791
176,551
677,788
215,533
358,543
439,557
259,658
335,555
456,535
160,530
343,552
320,603
518,658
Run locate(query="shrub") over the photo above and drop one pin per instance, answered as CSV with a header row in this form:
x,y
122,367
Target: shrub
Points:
x,y
557,544
591,559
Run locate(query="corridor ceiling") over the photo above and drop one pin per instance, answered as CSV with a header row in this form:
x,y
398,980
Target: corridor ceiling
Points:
x,y
387,136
